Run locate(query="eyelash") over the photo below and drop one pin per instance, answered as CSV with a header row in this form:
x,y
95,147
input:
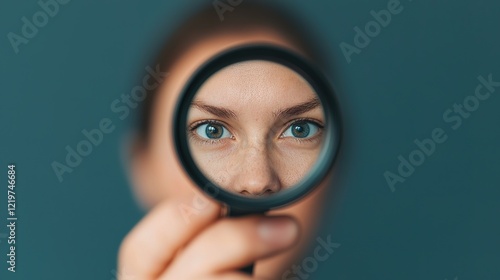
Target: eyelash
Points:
x,y
303,140
197,124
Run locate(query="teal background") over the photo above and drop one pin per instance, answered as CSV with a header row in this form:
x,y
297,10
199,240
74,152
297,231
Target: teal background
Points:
x,y
441,223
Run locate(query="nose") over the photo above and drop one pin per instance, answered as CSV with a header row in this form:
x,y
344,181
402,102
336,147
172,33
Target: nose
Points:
x,y
256,176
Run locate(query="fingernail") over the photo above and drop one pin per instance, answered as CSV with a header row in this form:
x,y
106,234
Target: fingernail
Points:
x,y
278,231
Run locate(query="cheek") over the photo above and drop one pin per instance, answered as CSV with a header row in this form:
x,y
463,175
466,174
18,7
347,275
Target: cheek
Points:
x,y
292,165
223,166
170,179
216,164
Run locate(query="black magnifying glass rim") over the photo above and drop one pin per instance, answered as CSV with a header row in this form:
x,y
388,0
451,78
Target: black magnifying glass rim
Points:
x,y
332,127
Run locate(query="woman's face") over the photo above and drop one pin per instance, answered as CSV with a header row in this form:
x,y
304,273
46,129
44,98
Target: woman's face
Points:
x,y
255,128
157,173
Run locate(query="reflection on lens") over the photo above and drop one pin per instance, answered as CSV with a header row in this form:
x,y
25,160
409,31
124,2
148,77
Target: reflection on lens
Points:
x,y
255,128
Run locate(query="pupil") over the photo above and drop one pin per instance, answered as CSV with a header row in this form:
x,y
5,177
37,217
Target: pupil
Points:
x,y
300,130
214,131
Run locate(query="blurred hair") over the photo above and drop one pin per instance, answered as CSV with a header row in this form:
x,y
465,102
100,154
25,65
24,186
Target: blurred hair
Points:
x,y
205,23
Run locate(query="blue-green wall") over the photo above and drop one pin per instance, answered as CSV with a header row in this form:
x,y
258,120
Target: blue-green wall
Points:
x,y
440,223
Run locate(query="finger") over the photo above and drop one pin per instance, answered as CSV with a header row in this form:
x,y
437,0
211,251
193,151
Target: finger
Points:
x,y
231,244
152,244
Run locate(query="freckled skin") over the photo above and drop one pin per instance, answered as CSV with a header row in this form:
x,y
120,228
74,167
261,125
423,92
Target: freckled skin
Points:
x,y
256,159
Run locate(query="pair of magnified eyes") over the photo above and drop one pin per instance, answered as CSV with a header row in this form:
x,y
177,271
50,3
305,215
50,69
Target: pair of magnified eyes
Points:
x,y
300,129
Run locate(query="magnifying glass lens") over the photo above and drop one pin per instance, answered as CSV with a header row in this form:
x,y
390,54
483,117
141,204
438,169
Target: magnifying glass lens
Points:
x,y
255,128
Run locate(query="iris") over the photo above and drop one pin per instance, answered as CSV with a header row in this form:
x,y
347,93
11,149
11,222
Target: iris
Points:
x,y
212,131
302,129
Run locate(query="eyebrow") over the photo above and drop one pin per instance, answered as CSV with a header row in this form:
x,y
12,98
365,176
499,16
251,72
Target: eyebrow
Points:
x,y
297,109
283,113
217,111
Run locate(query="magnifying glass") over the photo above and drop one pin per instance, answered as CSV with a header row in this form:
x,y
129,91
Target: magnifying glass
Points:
x,y
257,127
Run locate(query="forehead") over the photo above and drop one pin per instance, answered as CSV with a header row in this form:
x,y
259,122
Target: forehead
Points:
x,y
255,82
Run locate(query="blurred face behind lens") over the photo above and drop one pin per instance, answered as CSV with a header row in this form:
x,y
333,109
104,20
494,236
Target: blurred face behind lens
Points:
x,y
255,128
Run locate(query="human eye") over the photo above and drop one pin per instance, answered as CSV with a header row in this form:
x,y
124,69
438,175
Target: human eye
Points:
x,y
210,131
302,129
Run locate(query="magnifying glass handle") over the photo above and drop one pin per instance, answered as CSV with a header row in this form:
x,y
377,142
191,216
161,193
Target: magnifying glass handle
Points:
x,y
248,270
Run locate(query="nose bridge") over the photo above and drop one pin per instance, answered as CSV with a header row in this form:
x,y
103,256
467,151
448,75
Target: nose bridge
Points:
x,y
257,146
256,174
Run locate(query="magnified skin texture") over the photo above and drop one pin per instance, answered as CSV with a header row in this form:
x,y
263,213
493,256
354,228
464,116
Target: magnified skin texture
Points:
x,y
183,235
255,128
